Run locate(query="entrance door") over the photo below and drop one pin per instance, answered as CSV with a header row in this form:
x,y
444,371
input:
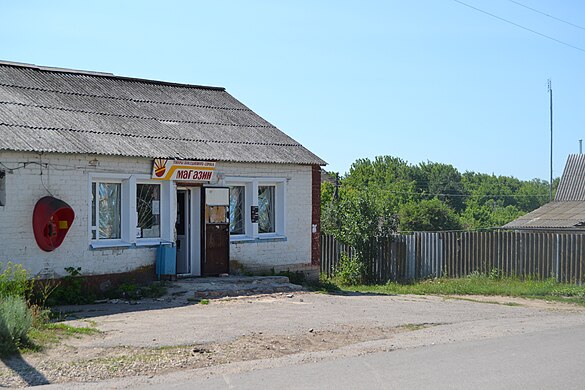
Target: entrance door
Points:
x,y
182,226
188,230
217,231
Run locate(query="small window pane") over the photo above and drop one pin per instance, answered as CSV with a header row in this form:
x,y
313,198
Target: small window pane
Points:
x,y
148,209
237,210
2,188
266,209
109,211
93,208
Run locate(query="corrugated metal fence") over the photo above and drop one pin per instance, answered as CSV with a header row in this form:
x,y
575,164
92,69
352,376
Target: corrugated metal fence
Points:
x,y
454,254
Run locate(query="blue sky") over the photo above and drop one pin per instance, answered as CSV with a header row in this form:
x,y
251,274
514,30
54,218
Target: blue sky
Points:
x,y
420,79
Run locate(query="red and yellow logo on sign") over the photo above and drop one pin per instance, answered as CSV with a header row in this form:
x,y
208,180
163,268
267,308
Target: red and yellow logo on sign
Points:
x,y
183,170
160,167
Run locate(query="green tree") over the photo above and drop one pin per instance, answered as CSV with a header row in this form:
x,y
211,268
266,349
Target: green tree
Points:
x,y
329,220
362,217
428,215
486,189
442,181
381,172
532,194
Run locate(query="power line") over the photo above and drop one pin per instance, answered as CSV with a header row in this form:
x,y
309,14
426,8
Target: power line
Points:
x,y
471,195
545,14
455,195
520,26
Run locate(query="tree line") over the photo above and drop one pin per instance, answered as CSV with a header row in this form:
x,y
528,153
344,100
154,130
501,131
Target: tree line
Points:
x,y
381,196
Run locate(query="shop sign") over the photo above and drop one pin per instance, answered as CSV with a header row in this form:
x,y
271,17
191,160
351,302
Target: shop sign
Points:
x,y
183,170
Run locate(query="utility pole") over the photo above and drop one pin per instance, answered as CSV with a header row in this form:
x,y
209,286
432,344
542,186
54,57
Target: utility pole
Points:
x,y
551,139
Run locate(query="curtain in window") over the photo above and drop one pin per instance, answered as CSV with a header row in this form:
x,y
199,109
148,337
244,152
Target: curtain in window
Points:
x,y
237,210
266,209
109,210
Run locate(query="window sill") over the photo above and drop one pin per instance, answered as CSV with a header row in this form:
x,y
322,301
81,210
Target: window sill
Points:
x,y
149,242
238,239
267,238
109,244
271,237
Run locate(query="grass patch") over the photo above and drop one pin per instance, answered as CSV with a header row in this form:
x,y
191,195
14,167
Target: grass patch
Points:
x,y
413,327
475,284
483,301
68,330
200,301
51,333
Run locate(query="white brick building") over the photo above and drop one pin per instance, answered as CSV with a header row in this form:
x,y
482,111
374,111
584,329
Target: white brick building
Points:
x,y
95,141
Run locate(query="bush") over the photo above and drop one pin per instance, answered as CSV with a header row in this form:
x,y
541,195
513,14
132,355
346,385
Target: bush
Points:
x,y
15,322
350,271
14,281
70,291
296,277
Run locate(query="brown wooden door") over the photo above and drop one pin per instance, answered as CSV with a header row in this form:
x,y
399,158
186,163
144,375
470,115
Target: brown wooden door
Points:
x,y
217,238
217,231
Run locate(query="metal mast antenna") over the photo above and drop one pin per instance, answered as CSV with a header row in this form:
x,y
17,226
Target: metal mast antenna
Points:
x,y
551,139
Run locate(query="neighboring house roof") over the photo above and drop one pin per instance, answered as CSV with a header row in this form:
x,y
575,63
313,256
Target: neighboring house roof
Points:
x,y
68,111
568,209
572,184
553,215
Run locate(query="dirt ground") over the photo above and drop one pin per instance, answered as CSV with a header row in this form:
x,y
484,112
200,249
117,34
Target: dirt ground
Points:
x,y
147,342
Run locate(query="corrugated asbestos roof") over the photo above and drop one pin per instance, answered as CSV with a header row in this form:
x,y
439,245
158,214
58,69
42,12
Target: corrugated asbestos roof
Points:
x,y
65,111
568,209
572,184
553,215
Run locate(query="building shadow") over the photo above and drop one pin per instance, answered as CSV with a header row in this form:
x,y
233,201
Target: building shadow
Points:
x,y
30,375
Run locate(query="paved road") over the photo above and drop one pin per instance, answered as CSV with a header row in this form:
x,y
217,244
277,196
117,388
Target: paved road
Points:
x,y
444,343
551,359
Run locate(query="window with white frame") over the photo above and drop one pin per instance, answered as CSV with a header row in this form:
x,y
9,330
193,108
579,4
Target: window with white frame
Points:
x,y
106,217
128,209
266,209
148,210
237,210
265,194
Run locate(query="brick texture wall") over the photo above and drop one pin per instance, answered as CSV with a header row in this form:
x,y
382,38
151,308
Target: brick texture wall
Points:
x,y
295,251
316,215
67,178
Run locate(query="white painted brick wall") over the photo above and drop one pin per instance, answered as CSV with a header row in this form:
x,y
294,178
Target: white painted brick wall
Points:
x,y
296,250
67,177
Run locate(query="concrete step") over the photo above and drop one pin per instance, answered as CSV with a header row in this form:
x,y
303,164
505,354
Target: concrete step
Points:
x,y
232,286
234,279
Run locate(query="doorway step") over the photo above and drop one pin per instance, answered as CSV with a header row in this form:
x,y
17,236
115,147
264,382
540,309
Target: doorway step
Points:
x,y
233,286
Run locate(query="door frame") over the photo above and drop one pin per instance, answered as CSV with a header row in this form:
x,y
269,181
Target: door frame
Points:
x,y
204,227
193,221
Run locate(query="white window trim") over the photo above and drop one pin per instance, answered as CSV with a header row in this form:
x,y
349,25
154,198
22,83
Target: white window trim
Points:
x,y
280,217
128,210
113,178
149,240
247,205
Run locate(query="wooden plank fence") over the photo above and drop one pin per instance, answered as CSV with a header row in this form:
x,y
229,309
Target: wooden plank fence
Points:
x,y
454,254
